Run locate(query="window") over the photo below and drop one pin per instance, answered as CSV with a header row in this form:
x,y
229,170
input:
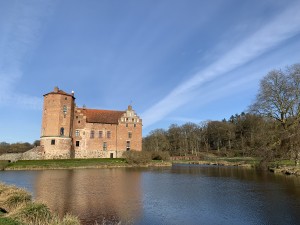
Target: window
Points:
x,y
129,135
104,146
65,109
100,134
134,125
127,145
108,135
62,131
78,121
66,98
52,142
77,133
92,134
77,143
126,124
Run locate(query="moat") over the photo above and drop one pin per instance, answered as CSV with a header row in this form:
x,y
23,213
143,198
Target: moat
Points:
x,y
181,194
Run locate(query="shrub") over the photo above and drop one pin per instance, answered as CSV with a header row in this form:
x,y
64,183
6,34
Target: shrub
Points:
x,y
3,164
34,214
137,157
16,198
160,155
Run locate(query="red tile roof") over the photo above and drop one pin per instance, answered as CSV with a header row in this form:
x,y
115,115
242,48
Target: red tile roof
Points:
x,y
102,116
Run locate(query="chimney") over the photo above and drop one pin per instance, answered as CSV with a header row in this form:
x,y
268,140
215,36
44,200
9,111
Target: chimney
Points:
x,y
56,89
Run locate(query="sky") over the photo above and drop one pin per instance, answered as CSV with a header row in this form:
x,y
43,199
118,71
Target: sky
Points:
x,y
175,61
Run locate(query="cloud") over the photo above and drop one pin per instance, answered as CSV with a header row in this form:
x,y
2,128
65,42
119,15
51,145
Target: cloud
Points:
x,y
20,32
283,27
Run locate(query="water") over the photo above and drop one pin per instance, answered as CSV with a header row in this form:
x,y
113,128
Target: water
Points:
x,y
183,194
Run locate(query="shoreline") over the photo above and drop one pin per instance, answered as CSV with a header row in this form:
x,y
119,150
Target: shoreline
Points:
x,y
237,162
283,170
103,166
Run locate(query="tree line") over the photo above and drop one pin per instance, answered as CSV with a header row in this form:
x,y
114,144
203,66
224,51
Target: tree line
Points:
x,y
270,129
18,147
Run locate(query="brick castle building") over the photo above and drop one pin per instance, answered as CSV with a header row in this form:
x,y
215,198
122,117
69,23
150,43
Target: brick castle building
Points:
x,y
72,132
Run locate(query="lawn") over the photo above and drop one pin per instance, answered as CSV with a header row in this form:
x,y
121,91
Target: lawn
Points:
x,y
65,163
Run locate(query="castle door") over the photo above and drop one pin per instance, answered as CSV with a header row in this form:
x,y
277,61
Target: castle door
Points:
x,y
111,155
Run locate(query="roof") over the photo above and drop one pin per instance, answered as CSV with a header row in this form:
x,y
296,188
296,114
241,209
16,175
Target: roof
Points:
x,y
61,92
102,116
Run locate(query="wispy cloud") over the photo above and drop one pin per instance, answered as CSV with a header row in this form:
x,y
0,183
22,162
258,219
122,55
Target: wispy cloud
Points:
x,y
20,33
283,27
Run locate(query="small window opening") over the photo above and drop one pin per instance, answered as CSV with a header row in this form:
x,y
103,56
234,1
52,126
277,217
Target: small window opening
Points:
x,y
52,142
77,143
62,131
127,145
108,135
104,146
92,134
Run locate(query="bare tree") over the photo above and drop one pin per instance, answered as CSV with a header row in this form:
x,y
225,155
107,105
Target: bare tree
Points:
x,y
279,99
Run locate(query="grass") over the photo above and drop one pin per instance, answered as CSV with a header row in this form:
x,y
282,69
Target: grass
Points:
x,y
71,163
21,210
211,159
9,221
65,163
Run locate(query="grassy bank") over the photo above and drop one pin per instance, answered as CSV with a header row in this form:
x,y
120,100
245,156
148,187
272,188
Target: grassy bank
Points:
x,y
278,166
17,208
76,163
212,159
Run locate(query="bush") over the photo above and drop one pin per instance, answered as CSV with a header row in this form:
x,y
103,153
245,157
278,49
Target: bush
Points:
x,y
3,164
137,157
160,155
34,214
17,197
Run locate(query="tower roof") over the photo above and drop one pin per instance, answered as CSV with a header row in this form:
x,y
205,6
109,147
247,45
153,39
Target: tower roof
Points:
x,y
60,92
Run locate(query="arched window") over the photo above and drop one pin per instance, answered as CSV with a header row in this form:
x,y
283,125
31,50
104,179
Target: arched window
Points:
x,y
62,131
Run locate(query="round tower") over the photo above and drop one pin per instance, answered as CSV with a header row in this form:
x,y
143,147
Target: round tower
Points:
x,y
57,123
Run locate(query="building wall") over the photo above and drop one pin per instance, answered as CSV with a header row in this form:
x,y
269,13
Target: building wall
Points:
x,y
58,113
61,149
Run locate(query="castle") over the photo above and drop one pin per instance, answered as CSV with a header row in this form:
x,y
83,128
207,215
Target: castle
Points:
x,y
72,132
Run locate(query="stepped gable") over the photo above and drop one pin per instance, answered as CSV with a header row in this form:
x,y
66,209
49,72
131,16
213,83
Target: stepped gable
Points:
x,y
102,116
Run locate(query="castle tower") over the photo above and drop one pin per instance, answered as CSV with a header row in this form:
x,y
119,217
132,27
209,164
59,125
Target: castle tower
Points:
x,y
57,123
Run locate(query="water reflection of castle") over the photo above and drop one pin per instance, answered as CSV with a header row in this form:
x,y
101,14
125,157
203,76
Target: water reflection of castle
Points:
x,y
92,194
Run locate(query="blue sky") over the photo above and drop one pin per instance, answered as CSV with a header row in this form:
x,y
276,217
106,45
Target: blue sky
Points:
x,y
177,61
